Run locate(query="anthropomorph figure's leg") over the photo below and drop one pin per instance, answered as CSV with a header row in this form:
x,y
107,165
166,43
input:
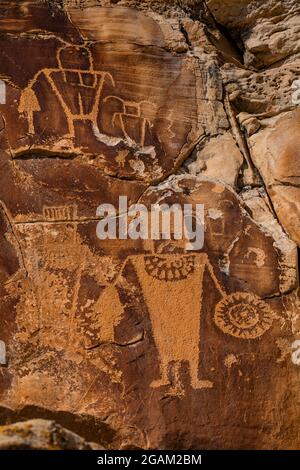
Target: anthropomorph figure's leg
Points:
x,y
164,372
170,377
195,381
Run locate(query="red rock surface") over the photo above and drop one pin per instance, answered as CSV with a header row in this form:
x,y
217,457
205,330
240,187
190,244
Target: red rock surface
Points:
x,y
142,343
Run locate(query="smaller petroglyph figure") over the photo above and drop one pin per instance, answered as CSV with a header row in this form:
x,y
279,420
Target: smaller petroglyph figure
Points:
x,y
60,244
76,85
144,110
60,213
109,310
2,353
217,226
243,316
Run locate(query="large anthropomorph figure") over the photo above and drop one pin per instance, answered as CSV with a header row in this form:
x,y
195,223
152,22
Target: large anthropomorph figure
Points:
x,y
76,85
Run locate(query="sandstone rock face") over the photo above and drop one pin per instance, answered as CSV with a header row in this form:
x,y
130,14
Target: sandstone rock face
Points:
x,y
268,31
275,152
39,434
147,343
210,158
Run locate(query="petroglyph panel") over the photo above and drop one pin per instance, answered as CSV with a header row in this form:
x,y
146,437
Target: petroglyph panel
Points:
x,y
104,310
153,344
87,103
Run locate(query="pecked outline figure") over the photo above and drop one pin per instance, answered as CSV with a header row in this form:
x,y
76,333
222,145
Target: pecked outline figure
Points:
x,y
88,78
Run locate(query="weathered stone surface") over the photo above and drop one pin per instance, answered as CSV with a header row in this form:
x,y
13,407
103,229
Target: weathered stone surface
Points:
x,y
137,27
39,434
263,93
145,343
210,158
275,152
261,210
269,31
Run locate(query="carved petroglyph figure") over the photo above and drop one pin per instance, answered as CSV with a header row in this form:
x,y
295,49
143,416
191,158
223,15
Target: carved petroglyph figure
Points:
x,y
78,89
173,288
63,250
81,78
55,255
243,316
56,265
60,213
217,225
110,310
144,111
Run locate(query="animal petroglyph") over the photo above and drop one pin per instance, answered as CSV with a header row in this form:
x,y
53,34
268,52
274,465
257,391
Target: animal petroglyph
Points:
x,y
144,111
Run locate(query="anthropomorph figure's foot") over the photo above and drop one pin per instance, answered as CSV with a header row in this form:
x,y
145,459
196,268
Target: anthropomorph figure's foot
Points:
x,y
163,382
197,384
174,389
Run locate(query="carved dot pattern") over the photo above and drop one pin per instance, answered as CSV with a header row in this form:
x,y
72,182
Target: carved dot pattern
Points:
x,y
243,316
170,267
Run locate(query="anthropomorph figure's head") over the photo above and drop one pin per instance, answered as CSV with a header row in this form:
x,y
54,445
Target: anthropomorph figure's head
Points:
x,y
75,58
